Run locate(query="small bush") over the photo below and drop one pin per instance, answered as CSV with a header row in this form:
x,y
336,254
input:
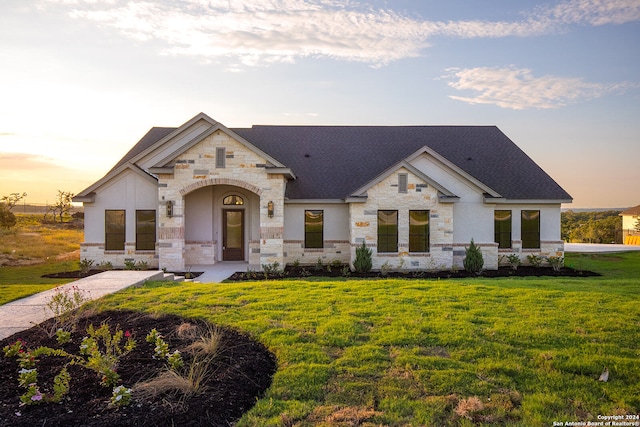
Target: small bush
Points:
x,y
363,263
534,260
556,262
473,261
514,261
85,266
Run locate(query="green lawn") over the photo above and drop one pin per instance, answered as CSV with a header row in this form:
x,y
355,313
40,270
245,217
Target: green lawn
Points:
x,y
20,282
517,352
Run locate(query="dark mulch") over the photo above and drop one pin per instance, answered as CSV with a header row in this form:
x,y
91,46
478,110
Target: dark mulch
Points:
x,y
77,274
337,271
243,371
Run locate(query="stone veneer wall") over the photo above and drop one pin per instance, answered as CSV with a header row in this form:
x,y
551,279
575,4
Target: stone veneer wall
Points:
x,y
195,168
96,253
333,250
420,196
554,248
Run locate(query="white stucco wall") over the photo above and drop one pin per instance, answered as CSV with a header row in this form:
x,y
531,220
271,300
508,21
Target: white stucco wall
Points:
x,y
128,191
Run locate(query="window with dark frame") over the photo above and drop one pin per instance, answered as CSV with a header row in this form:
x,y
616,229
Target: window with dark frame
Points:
x,y
530,229
114,230
145,230
313,229
418,231
387,231
221,157
502,228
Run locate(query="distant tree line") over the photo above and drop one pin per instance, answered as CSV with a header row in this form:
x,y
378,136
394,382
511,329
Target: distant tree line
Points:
x,y
60,208
592,227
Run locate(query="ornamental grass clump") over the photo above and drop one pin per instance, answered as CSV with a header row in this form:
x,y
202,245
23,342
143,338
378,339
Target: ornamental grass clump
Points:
x,y
473,261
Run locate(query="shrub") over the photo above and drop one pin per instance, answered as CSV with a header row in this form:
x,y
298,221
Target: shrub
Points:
x,y
363,262
534,260
556,262
514,261
473,261
85,266
7,218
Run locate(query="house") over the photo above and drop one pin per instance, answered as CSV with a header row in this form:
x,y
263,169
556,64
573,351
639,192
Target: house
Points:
x,y
203,193
630,219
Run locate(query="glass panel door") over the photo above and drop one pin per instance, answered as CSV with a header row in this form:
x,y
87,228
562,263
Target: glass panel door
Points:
x,y
233,235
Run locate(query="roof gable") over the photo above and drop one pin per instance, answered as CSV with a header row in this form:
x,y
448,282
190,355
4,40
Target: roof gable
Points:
x,y
333,162
361,192
634,211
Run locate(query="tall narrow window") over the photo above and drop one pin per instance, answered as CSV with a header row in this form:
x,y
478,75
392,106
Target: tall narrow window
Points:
x,y
502,228
530,229
403,182
146,230
313,229
114,230
387,231
221,157
418,231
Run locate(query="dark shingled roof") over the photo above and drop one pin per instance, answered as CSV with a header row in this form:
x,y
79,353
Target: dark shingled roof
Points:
x,y
331,162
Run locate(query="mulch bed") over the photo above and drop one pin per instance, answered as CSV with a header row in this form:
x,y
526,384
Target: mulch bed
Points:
x,y
336,271
243,371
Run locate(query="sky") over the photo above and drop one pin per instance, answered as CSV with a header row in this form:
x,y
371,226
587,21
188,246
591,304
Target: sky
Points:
x,y
81,81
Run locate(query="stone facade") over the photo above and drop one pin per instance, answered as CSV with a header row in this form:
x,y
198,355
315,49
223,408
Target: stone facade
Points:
x,y
198,167
333,250
96,253
385,195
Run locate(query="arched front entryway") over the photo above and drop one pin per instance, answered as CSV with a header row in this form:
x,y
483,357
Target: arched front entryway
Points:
x,y
222,223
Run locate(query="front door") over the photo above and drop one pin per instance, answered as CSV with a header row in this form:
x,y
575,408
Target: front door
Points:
x,y
233,235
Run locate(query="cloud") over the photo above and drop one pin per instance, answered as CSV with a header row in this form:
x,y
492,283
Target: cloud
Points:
x,y
259,32
519,89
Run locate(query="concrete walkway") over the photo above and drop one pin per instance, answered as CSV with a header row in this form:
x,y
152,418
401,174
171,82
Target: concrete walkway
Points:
x,y
598,248
22,314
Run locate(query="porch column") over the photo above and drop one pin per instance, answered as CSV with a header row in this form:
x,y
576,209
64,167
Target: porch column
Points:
x,y
271,229
171,233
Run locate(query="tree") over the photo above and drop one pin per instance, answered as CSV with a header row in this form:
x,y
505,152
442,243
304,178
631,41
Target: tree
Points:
x,y
12,200
637,224
473,260
62,205
7,218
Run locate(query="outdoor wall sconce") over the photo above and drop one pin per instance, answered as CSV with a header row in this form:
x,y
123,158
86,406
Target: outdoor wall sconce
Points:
x,y
169,208
270,209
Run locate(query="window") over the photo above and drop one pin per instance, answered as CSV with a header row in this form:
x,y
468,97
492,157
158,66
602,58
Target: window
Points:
x,y
502,228
146,230
221,157
418,231
313,229
530,229
114,228
403,181
233,200
387,231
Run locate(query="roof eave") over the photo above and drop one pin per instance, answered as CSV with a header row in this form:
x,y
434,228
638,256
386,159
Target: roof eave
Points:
x,y
503,200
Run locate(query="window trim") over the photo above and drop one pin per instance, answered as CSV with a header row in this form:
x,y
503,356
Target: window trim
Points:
x,y
308,234
108,236
139,234
391,239
498,234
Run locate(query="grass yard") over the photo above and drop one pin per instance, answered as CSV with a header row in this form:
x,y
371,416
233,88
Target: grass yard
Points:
x,y
32,249
513,351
